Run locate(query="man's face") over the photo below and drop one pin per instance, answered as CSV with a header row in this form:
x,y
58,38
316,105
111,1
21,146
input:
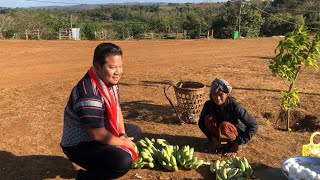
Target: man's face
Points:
x,y
111,71
219,97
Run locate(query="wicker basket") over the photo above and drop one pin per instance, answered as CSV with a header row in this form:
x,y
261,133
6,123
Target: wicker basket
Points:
x,y
190,100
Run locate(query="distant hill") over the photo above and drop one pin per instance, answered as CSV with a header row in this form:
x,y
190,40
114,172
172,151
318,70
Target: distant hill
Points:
x,y
93,6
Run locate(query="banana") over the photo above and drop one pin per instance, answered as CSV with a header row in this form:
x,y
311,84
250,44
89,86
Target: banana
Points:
x,y
140,165
212,168
236,161
183,162
193,160
175,168
148,142
173,161
189,157
150,150
139,160
144,155
191,151
142,144
187,166
165,156
171,147
232,172
182,157
136,149
150,159
168,150
197,164
238,175
178,157
163,163
242,166
245,161
169,167
144,150
176,147
217,165
218,177
134,165
222,163
150,165
162,142
228,161
185,151
249,171
224,173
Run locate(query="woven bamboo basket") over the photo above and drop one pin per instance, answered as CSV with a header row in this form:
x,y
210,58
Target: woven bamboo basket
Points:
x,y
190,99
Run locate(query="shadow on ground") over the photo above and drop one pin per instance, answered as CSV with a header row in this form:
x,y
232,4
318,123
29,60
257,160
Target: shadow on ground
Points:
x,y
264,172
146,83
147,111
35,167
200,144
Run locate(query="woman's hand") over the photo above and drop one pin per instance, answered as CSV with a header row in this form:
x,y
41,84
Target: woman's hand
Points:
x,y
236,147
211,124
216,142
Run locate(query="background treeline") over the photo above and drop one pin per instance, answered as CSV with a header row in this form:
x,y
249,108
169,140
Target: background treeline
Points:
x,y
258,18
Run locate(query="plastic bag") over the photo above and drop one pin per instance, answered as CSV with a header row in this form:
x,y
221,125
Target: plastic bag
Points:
x,y
311,149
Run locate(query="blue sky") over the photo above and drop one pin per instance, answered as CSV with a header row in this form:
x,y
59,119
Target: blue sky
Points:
x,y
34,3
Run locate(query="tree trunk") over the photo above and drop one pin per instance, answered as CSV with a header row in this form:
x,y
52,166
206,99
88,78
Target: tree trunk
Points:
x,y
290,88
288,119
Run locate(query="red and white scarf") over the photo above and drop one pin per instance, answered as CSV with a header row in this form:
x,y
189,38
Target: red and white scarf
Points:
x,y
111,108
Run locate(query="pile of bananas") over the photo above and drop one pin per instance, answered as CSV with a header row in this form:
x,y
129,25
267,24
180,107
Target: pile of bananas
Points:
x,y
186,158
168,156
232,168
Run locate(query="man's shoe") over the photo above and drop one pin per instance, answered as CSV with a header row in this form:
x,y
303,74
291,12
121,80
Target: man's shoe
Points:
x,y
81,175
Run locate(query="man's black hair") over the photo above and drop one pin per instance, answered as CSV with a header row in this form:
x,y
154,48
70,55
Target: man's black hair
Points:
x,y
104,50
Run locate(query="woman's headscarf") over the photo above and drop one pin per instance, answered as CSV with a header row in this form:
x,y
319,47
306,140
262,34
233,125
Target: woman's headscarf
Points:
x,y
220,84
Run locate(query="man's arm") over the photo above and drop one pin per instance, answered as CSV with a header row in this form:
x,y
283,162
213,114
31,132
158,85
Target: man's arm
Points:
x,y
122,130
105,137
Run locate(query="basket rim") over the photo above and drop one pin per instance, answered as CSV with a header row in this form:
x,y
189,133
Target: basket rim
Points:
x,y
193,89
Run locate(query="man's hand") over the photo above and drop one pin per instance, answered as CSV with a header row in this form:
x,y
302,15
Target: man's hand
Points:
x,y
127,142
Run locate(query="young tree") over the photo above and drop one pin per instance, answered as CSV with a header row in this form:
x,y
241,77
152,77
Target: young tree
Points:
x,y
295,53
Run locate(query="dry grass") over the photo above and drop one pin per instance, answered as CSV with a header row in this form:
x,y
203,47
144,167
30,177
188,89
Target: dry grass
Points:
x,y
37,77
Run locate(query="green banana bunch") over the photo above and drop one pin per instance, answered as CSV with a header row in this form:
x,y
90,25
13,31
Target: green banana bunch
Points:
x,y
232,168
138,164
187,159
169,156
160,143
167,159
145,149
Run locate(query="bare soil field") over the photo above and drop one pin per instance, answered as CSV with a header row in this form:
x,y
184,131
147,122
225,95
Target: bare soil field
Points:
x,y
37,77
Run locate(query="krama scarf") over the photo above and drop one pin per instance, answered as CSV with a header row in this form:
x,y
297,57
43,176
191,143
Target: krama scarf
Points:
x,y
111,108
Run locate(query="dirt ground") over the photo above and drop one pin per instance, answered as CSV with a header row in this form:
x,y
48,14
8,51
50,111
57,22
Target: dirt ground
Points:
x,y
37,77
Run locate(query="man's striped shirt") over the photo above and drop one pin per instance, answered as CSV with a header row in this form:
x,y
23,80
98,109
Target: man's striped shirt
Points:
x,y
85,109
